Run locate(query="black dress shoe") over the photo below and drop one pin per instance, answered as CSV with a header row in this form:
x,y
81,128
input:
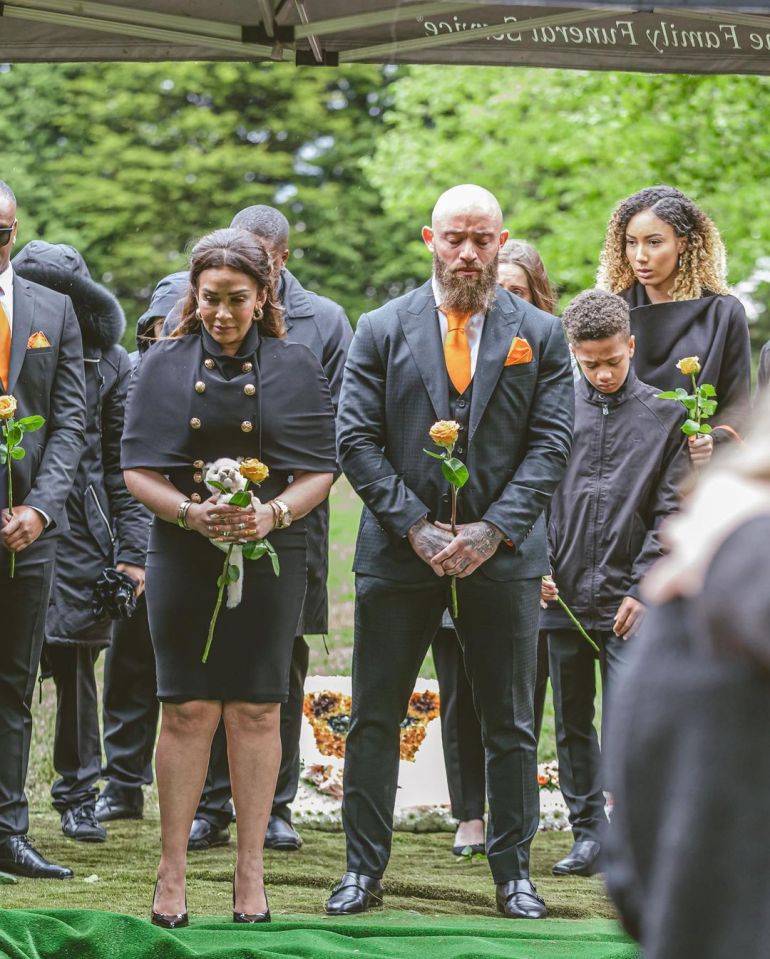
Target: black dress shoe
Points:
x,y
80,823
282,835
204,835
19,856
582,860
354,893
168,920
251,917
518,899
110,807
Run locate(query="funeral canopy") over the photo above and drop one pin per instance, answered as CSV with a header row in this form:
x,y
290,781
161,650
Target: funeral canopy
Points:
x,y
682,37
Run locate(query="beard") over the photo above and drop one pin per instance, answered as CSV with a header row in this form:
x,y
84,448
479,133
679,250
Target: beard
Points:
x,y
472,294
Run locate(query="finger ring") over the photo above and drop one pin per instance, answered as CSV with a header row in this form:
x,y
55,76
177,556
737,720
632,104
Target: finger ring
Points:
x,y
210,529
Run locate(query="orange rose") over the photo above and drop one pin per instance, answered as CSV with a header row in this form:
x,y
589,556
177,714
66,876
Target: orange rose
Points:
x,y
7,407
445,432
542,779
254,470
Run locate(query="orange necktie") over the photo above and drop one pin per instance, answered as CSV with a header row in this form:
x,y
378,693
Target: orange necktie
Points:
x,y
457,352
5,347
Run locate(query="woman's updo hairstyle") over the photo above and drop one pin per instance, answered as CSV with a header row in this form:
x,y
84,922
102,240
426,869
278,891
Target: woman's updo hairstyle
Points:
x,y
524,255
703,264
244,253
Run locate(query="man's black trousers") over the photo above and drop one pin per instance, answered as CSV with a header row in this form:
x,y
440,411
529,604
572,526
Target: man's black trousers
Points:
x,y
394,626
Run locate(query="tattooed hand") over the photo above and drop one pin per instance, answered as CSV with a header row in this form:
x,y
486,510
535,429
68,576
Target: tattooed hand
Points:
x,y
427,540
473,545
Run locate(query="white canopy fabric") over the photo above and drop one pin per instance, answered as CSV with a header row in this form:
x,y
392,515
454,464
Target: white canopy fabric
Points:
x,y
684,37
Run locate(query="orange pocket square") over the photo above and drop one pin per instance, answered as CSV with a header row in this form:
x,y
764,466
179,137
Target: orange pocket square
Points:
x,y
37,341
520,352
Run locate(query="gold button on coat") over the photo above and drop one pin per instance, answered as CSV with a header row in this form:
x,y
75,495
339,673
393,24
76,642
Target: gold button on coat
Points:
x,y
195,423
196,497
198,477
246,426
249,389
198,464
209,364
200,387
247,367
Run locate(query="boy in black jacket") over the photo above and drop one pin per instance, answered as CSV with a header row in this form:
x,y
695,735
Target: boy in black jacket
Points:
x,y
621,483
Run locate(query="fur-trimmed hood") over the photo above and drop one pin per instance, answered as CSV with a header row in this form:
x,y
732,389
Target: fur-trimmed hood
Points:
x,y
60,267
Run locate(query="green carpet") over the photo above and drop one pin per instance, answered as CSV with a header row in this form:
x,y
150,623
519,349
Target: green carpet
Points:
x,y
83,934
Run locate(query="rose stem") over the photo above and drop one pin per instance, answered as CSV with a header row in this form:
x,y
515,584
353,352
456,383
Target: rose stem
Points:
x,y
580,629
10,498
220,594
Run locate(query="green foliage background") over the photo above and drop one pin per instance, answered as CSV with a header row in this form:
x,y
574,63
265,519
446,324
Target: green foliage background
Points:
x,y
130,162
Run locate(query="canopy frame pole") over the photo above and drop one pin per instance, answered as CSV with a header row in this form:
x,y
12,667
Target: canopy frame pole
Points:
x,y
356,21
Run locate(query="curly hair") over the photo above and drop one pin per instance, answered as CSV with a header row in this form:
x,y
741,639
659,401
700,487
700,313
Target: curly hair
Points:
x,y
596,315
524,255
703,263
244,253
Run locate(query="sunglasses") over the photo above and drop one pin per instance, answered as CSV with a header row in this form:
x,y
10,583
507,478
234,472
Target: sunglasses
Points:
x,y
5,233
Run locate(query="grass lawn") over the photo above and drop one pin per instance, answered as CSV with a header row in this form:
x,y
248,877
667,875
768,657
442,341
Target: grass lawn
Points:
x,y
423,874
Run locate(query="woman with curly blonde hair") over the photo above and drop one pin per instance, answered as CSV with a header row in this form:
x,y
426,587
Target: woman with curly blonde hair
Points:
x,y
665,257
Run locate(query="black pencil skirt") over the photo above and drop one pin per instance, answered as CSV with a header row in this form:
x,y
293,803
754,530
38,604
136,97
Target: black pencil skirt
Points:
x,y
251,652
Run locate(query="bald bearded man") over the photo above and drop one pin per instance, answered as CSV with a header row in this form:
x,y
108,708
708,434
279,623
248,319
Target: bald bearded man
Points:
x,y
460,348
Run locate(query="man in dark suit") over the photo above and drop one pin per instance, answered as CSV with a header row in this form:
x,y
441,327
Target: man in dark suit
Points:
x,y
41,365
324,328
461,348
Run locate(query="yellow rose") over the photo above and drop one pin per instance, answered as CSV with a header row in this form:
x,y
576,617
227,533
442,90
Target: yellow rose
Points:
x,y
254,470
690,365
7,407
444,432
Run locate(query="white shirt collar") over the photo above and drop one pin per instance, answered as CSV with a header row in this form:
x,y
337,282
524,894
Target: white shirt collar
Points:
x,y
6,280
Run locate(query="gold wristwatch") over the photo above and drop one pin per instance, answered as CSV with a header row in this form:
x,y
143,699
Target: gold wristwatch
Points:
x,y
283,517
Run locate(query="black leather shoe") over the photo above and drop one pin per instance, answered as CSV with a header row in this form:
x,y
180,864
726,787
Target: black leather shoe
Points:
x,y
110,807
518,899
80,823
582,860
282,835
354,893
251,917
19,856
168,920
204,835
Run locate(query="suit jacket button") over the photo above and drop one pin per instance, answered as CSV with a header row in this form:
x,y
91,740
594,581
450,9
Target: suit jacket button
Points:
x,y
200,387
196,497
195,423
209,364
249,389
247,367
246,426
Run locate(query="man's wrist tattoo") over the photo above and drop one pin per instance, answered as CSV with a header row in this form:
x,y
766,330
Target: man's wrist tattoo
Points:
x,y
484,538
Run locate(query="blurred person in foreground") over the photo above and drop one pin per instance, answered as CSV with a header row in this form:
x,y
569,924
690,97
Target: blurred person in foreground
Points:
x,y
688,758
107,529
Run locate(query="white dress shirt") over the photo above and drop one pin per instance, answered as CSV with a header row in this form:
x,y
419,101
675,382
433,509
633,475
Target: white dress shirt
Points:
x,y
473,328
6,293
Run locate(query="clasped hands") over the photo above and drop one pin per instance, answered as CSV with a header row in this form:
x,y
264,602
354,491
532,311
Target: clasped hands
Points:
x,y
21,528
224,523
454,555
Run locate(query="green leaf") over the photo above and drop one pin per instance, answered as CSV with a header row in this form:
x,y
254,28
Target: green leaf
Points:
x,y
668,395
705,428
30,423
681,394
256,549
240,498
690,404
436,456
216,485
709,407
706,389
14,435
273,558
233,574
455,471
690,428
18,453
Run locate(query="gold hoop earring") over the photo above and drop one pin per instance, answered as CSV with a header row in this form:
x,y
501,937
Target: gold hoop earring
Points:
x,y
258,314
198,316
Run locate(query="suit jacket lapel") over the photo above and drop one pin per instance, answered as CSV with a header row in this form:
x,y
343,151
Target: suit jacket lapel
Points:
x,y
420,325
500,326
23,317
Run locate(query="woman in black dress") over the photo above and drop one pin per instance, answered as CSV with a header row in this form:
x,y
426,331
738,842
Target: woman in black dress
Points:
x,y
665,257
224,385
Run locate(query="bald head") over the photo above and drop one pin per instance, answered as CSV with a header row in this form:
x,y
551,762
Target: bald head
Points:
x,y
467,199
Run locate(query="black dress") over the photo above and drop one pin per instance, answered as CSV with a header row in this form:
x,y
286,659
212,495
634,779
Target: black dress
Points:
x,y
190,405
713,328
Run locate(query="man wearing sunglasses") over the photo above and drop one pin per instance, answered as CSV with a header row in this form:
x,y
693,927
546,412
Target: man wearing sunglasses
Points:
x,y
41,365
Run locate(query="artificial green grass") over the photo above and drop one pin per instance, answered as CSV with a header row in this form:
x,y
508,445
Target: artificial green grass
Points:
x,y
423,875
386,936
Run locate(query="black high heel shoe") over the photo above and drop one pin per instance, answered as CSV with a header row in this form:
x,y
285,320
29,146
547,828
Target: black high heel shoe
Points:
x,y
168,920
250,917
